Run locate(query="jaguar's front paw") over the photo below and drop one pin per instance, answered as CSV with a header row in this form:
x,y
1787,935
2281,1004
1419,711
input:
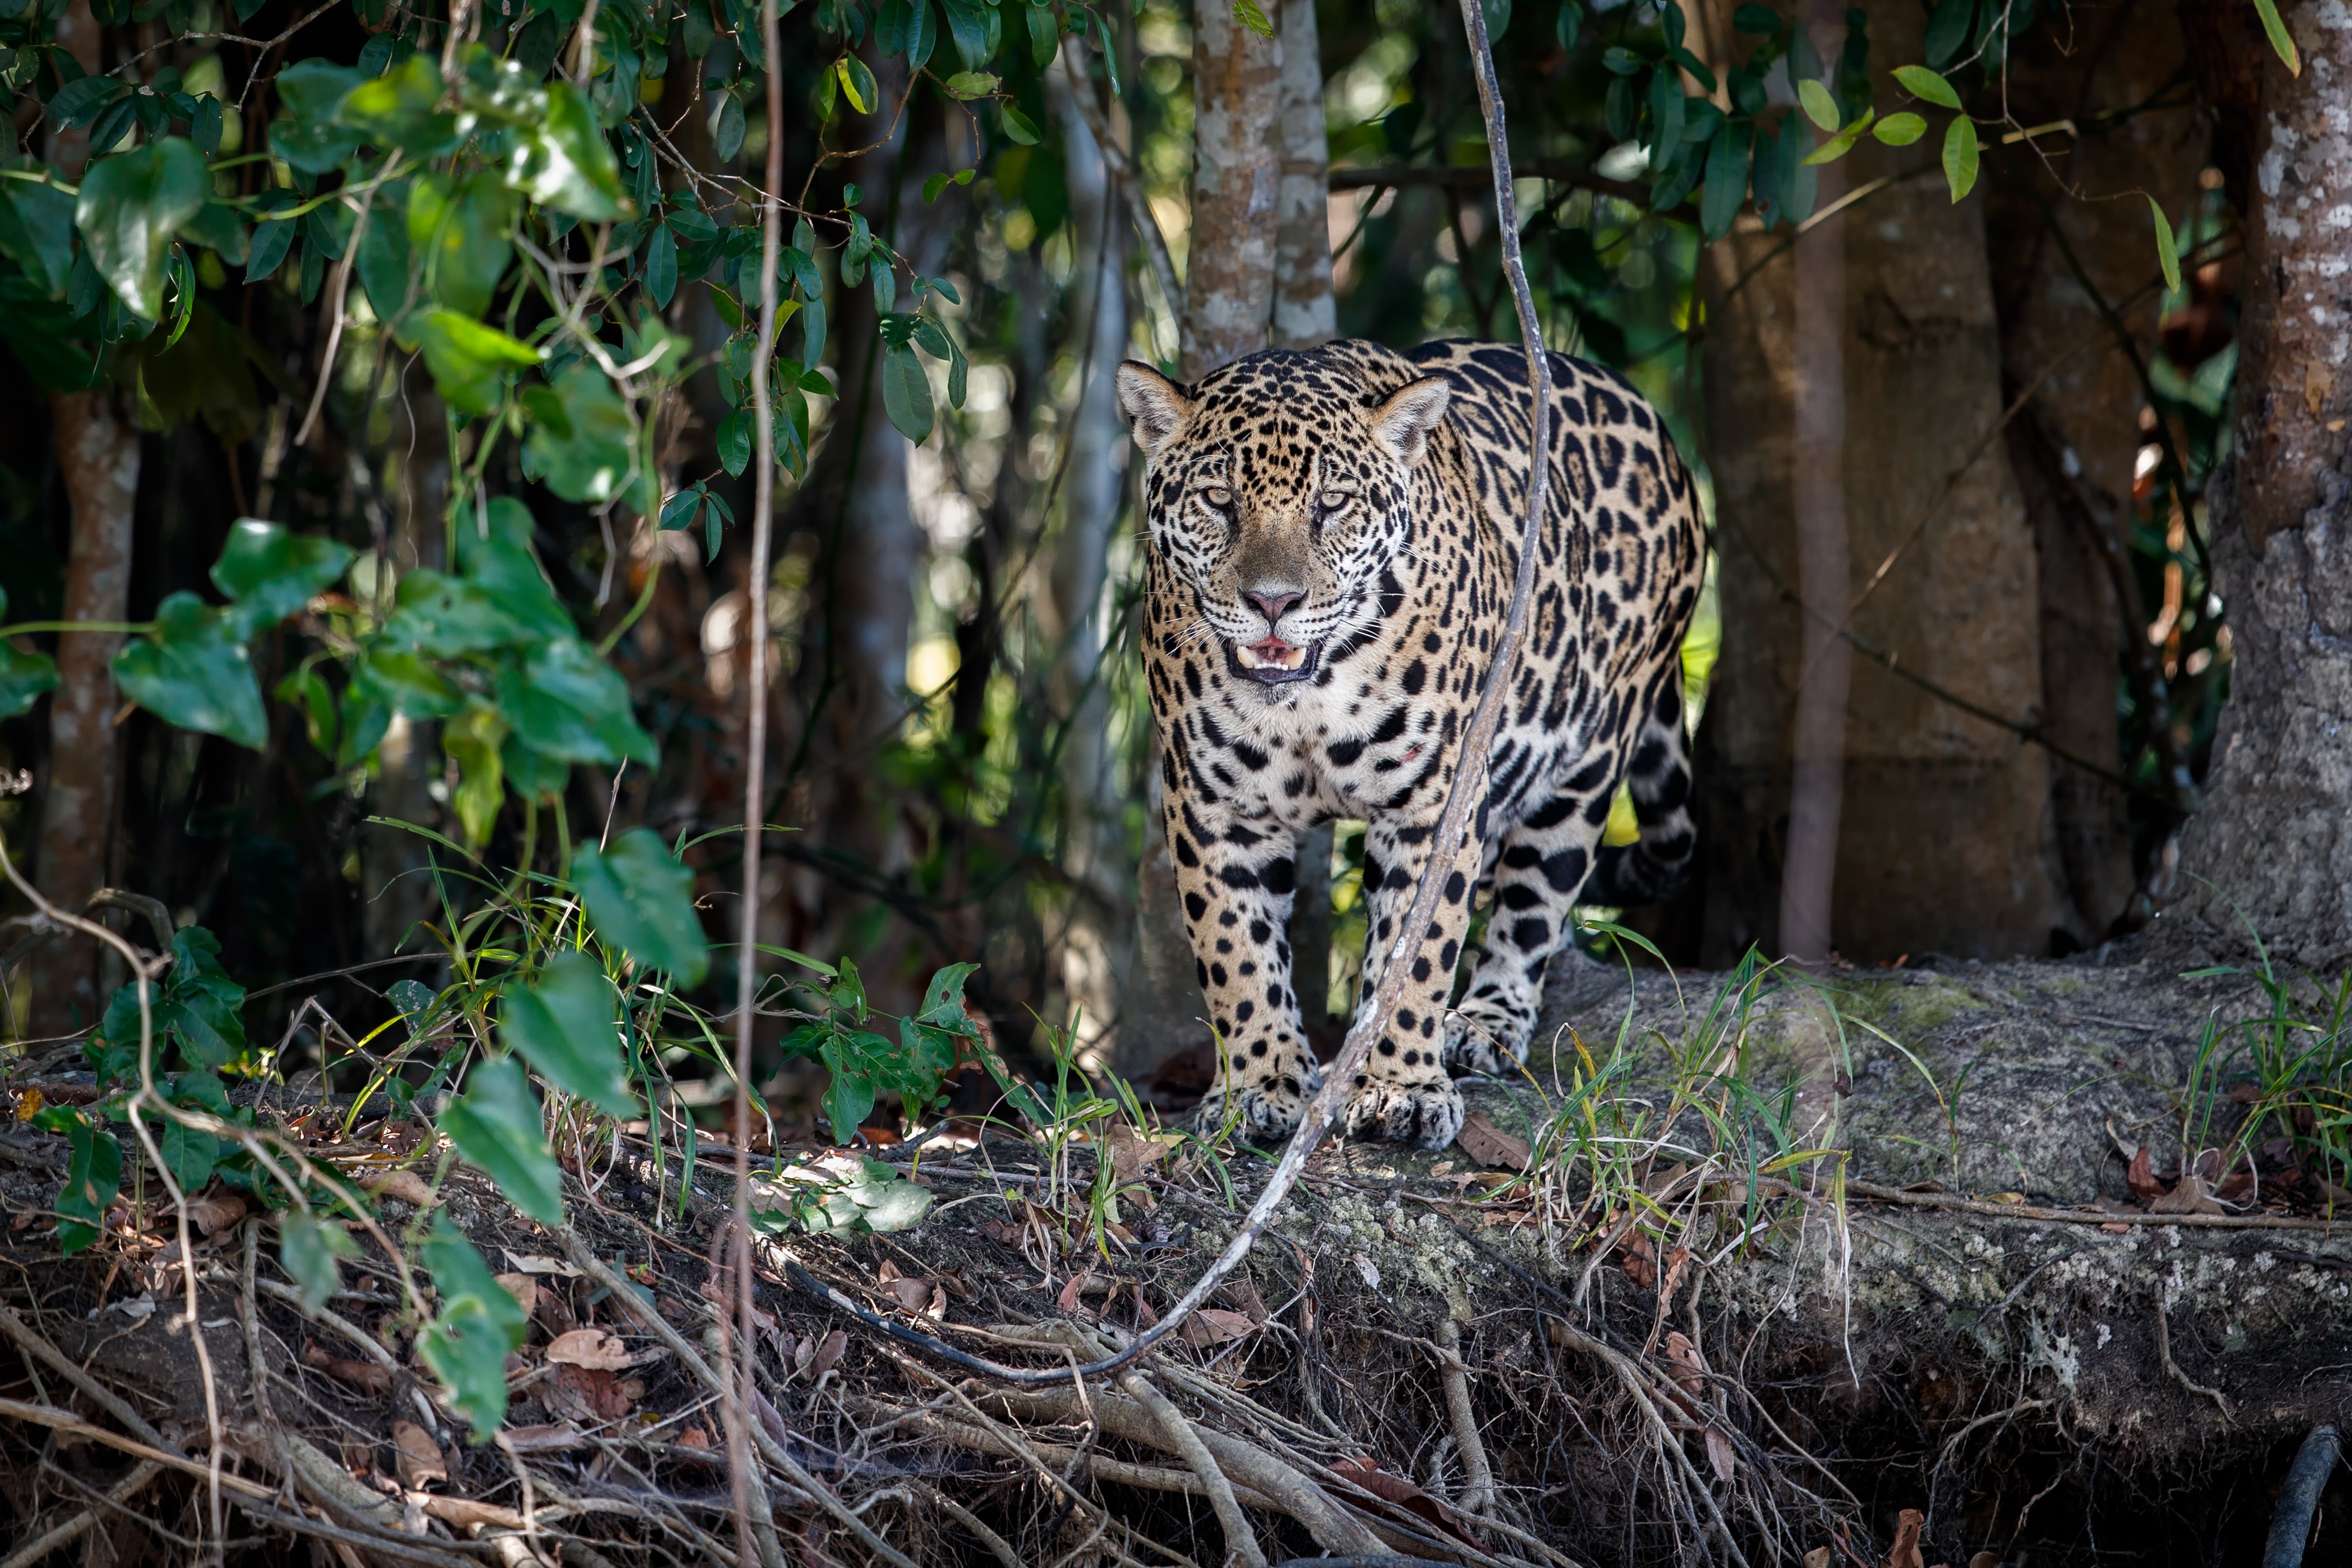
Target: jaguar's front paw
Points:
x,y
1477,1043
1425,1114
1263,1113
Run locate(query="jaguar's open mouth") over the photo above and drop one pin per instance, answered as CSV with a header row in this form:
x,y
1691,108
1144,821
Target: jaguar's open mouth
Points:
x,y
1272,660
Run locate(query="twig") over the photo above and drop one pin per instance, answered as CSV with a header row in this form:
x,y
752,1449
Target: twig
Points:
x,y
996,1544
691,1359
74,1529
1241,1540
105,1399
2091,1217
2163,1353
1478,1489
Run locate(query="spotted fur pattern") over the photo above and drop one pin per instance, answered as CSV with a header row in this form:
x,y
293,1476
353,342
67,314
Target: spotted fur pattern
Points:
x,y
1334,536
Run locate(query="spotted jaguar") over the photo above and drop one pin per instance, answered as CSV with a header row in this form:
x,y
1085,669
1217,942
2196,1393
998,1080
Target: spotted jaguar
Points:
x,y
1334,535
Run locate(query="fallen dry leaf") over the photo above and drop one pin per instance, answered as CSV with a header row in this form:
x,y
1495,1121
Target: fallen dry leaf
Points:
x,y
215,1212
588,1394
595,1350
1399,1490
765,1321
2194,1196
532,1263
1904,1552
1490,1145
1720,1454
1819,1557
2141,1177
522,1288
405,1185
366,1375
828,1354
549,1439
1691,1372
1641,1261
1069,1300
693,1437
1214,1326
1369,1270
417,1457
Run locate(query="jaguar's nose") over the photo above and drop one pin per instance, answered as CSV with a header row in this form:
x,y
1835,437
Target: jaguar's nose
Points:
x,y
1272,602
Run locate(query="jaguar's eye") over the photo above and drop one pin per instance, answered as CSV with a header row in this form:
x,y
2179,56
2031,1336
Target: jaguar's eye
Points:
x,y
1333,502
1218,497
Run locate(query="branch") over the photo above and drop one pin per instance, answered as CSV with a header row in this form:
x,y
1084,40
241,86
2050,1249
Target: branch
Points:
x,y
1477,177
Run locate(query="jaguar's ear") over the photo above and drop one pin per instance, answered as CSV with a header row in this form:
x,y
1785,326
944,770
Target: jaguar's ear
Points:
x,y
1402,424
1155,406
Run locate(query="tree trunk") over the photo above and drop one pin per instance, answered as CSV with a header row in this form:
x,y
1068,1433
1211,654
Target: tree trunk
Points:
x,y
98,456
1099,934
2273,847
1228,306
1940,844
2073,447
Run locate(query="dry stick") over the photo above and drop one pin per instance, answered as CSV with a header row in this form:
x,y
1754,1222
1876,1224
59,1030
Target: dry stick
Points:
x,y
735,1406
105,1399
660,1328
1445,844
2164,1353
335,332
996,1543
1478,1489
1241,1540
74,1529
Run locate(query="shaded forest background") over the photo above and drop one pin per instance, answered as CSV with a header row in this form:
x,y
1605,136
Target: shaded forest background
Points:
x,y
958,733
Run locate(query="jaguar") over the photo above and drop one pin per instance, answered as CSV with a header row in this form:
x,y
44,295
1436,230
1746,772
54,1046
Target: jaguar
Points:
x,y
1333,537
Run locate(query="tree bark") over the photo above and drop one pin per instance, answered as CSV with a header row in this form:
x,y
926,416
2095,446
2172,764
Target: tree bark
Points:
x,y
2270,856
1940,844
97,456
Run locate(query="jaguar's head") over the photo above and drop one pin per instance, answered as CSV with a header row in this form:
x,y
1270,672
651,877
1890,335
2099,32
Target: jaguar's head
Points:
x,y
1280,490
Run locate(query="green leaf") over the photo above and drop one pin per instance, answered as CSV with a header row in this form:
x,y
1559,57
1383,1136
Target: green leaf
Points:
x,y
311,1249
1922,83
36,233
1819,107
400,109
24,679
446,618
726,127
93,1177
564,162
2168,251
565,702
271,240
190,1152
591,461
1838,146
968,31
480,1324
1727,180
496,1126
1948,29
858,82
78,102
198,1007
907,391
1250,14
469,361
661,268
1961,157
1622,61
562,1023
130,205
473,743
271,573
1900,129
1018,126
193,672
2280,38
734,442
215,228
641,898
969,85
1045,36
461,234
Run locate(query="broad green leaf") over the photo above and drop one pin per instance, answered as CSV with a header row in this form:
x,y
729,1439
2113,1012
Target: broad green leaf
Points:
x,y
462,234
2168,251
309,140
494,552
642,898
473,743
190,1152
93,1177
1727,180
907,391
564,163
1045,36
24,678
564,1023
402,108
726,126
386,269
968,30
734,442
36,233
197,1007
1948,29
857,83
1922,83
568,703
970,85
1018,126
194,673
311,1249
1249,14
1900,129
271,240
1838,146
271,573
217,228
1819,107
661,268
469,361
1666,110
130,205
496,1126
589,461
2281,40
78,102
1961,157
875,1200
447,617
479,1325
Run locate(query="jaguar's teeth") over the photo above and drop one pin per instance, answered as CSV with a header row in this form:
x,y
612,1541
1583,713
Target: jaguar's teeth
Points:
x,y
1270,654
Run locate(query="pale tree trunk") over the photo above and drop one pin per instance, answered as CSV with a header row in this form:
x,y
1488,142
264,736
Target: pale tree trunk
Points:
x,y
98,457
2074,445
1939,840
2270,856
1099,934
1228,309
1305,314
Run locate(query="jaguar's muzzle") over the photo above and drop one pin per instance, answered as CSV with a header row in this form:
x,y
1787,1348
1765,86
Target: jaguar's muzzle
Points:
x,y
1272,660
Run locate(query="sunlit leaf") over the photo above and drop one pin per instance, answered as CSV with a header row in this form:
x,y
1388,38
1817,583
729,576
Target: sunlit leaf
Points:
x,y
1922,83
271,573
568,703
473,741
402,108
564,163
469,361
310,1250
1961,157
2281,40
590,459
2168,251
564,1023
495,1125
1900,129
969,85
641,897
1818,106
193,672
